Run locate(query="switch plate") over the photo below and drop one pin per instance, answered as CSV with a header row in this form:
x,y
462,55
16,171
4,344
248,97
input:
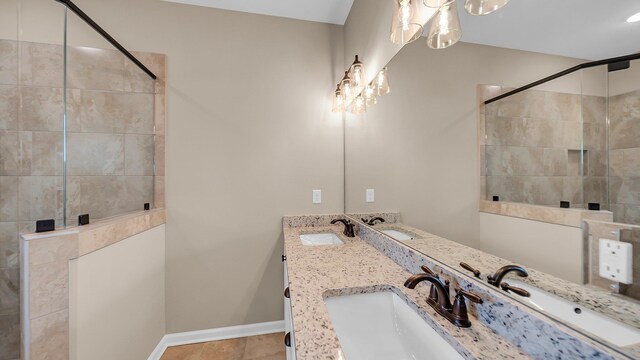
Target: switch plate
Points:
x,y
616,261
371,195
317,196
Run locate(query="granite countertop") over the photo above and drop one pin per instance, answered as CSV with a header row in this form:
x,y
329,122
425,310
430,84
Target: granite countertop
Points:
x,y
316,272
452,253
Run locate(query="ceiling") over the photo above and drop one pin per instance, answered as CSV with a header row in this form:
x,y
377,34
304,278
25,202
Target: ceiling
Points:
x,y
326,11
584,29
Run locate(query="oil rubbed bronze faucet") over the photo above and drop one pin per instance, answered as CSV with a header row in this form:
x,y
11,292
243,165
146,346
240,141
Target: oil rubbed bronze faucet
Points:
x,y
372,221
439,299
348,227
496,279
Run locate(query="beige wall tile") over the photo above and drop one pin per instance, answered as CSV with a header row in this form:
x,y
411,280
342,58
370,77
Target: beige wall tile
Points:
x,y
595,136
103,196
9,106
595,190
139,154
9,150
117,112
46,150
95,69
9,291
95,154
48,288
594,109
624,190
8,61
138,81
543,190
572,190
50,337
42,109
39,197
9,198
556,162
597,163
9,248
53,249
505,131
160,114
41,64
159,155
623,134
632,162
10,336
507,160
159,191
25,154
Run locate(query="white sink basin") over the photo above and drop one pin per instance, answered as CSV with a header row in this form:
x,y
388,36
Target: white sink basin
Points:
x,y
398,235
381,326
590,321
320,239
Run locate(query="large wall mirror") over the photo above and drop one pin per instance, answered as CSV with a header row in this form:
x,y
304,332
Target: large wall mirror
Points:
x,y
539,179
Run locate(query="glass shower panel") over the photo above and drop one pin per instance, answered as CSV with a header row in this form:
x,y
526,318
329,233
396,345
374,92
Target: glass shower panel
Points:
x,y
624,143
533,152
595,152
110,128
10,169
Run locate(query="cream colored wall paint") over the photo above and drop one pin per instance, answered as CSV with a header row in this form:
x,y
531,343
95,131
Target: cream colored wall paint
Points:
x,y
554,249
418,147
250,135
117,307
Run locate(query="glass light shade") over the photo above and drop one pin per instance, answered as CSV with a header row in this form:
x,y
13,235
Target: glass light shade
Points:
x,y
381,82
444,29
358,77
436,3
370,95
405,22
483,7
359,105
338,101
346,86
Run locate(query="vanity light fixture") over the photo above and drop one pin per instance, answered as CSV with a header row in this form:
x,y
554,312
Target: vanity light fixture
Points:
x,y
634,18
359,105
444,29
483,7
406,25
338,100
358,78
382,82
347,87
370,95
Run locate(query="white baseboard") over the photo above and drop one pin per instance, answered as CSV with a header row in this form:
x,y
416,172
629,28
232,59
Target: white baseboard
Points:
x,y
231,332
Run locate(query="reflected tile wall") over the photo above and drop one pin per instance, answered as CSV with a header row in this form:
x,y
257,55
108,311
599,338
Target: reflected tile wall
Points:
x,y
114,111
624,157
534,151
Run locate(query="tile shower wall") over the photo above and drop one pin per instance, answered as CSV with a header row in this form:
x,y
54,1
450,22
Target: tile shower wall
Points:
x,y
111,145
533,152
624,142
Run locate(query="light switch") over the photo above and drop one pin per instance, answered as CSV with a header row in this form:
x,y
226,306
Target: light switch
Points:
x,y
317,196
371,195
616,261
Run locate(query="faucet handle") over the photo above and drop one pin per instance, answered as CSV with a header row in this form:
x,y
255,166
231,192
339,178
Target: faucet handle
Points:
x,y
428,271
516,290
468,267
469,295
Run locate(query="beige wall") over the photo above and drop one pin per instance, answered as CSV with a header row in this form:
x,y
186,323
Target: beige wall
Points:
x,y
250,135
117,307
418,146
554,249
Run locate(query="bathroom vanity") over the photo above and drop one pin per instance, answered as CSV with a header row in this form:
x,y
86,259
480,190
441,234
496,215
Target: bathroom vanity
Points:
x,y
347,299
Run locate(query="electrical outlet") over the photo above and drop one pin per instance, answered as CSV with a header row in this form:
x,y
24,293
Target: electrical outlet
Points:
x,y
317,196
616,261
371,195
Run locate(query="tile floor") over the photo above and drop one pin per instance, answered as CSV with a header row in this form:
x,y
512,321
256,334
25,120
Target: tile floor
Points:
x,y
262,347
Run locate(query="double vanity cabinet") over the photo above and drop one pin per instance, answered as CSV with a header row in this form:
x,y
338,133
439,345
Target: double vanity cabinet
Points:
x,y
355,290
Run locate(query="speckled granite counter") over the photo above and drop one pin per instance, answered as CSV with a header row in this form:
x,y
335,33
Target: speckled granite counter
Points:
x,y
316,272
452,253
